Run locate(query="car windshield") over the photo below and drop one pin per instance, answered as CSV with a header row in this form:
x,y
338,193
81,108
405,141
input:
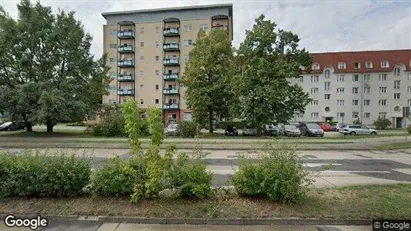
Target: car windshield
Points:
x,y
290,127
172,126
313,126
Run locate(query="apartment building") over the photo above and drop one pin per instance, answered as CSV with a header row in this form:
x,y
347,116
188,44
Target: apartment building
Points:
x,y
148,49
364,85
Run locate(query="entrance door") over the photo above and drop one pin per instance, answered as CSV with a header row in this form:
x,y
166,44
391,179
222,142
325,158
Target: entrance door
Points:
x,y
398,122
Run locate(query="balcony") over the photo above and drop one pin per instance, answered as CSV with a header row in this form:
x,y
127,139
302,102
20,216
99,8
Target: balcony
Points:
x,y
171,32
125,92
125,34
225,27
125,63
170,91
125,78
125,49
170,76
171,62
171,47
170,106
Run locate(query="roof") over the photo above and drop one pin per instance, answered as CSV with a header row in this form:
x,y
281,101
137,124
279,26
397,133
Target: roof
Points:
x,y
350,58
229,5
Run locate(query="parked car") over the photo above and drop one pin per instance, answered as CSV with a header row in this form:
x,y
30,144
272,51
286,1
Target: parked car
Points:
x,y
290,130
249,131
338,126
1,122
171,130
12,126
357,129
311,129
271,130
231,131
327,127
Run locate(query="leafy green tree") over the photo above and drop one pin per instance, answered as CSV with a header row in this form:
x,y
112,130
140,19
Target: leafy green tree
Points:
x,y
48,72
382,124
268,58
207,75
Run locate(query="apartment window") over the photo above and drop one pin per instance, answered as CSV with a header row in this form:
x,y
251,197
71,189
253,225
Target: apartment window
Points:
x,y
342,65
382,115
409,102
157,87
340,102
409,89
355,78
354,115
355,102
113,46
157,29
340,78
383,89
327,96
314,90
367,90
141,87
367,77
157,72
368,64
113,74
157,101
142,59
141,44
367,115
314,78
327,74
188,42
141,101
314,115
113,32
300,115
340,115
397,71
141,30
385,64
316,66
314,103
301,79
397,95
383,77
340,90
204,27
157,44
382,102
185,57
112,60
157,58
327,86
409,76
357,65
355,90
367,102
188,27
112,88
141,73
397,84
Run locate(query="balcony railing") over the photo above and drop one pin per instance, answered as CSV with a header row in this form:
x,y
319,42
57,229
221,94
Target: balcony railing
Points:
x,y
170,76
125,34
125,78
125,92
171,47
170,32
171,62
125,63
171,106
225,27
125,49
170,91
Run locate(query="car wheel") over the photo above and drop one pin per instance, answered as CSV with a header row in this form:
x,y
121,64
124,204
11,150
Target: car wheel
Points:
x,y
322,135
352,133
373,133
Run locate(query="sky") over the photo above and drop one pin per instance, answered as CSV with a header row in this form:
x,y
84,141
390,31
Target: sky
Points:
x,y
322,25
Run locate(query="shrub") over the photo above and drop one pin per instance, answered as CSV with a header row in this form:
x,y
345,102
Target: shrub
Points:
x,y
112,122
278,175
409,129
35,174
382,123
187,129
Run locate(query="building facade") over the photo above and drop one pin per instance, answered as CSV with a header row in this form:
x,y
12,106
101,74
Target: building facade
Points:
x,y
364,85
148,49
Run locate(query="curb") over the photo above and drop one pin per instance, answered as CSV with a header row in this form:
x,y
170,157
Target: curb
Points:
x,y
201,221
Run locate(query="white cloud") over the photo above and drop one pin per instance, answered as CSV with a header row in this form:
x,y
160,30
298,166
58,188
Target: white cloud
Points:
x,y
321,25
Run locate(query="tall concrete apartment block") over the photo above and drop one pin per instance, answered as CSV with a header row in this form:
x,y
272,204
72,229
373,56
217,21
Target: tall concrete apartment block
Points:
x,y
364,85
148,49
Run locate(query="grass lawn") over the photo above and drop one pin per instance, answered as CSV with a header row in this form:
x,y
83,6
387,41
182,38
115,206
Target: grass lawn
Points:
x,y
392,146
359,202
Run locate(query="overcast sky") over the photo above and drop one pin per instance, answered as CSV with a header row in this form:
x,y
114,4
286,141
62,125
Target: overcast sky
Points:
x,y
322,25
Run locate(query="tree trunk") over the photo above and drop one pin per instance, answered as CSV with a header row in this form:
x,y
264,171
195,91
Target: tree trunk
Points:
x,y
29,125
50,126
210,120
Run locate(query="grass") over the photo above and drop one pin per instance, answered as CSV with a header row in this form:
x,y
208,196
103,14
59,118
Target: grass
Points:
x,y
393,146
358,202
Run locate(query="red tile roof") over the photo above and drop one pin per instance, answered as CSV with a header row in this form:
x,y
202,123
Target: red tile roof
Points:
x,y
376,57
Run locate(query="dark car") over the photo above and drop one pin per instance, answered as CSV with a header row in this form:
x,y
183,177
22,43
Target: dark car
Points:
x,y
271,130
12,126
231,131
311,129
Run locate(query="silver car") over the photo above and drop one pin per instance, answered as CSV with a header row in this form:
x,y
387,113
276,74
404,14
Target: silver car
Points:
x,y
290,130
171,130
357,130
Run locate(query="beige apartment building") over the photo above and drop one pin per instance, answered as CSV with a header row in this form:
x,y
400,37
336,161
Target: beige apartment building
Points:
x,y
148,49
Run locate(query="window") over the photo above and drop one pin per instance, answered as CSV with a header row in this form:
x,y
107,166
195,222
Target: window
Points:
x,y
385,64
204,27
382,102
314,78
409,102
301,79
383,89
141,87
340,102
141,44
340,115
112,60
367,115
368,64
157,44
141,101
314,90
157,101
157,58
367,102
409,89
141,73
397,71
327,74
383,77
340,90
397,95
142,59
157,72
314,103
357,65
397,84
300,115
341,65
113,74
112,88
340,78
355,102
185,57
113,32
327,86
314,115
113,46
188,42
409,76
327,96
355,90
316,66
157,87
141,30
367,77
367,90
354,115
188,27
382,115
157,29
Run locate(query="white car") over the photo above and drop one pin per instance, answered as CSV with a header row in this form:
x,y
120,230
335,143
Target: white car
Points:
x,y
249,132
357,130
171,130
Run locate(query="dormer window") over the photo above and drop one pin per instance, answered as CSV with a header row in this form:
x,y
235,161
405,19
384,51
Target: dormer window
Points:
x,y
385,64
316,66
368,64
397,71
357,65
342,65
327,74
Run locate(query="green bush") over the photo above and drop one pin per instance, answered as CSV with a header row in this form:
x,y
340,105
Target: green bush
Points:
x,y
278,175
112,122
35,174
236,124
409,129
382,123
187,129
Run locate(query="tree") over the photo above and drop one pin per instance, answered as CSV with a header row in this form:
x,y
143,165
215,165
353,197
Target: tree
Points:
x,y
207,75
269,58
382,123
48,72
